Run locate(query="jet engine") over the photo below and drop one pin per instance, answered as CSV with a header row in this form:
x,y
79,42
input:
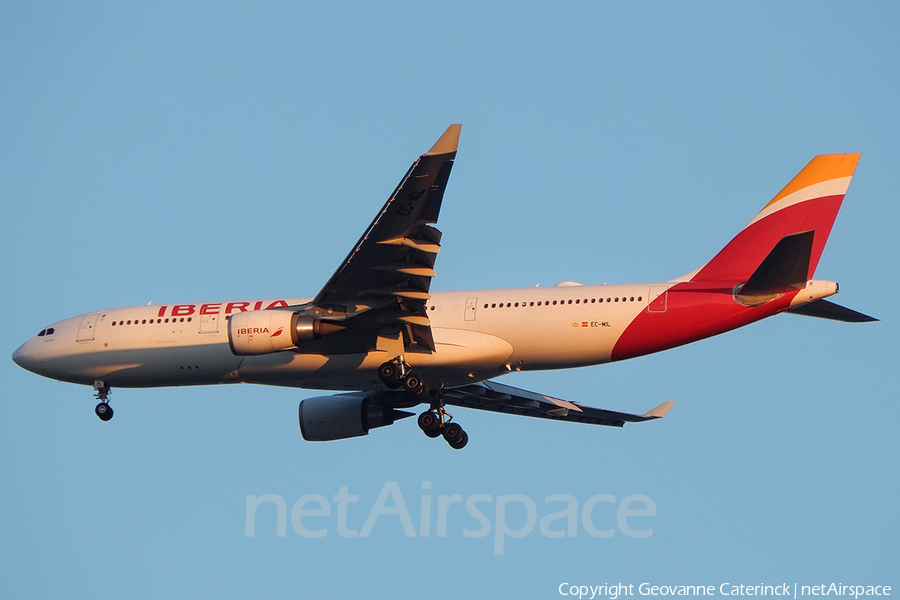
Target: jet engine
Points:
x,y
343,416
266,331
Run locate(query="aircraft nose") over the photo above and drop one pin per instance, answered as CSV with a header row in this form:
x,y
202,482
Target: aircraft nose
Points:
x,y
24,357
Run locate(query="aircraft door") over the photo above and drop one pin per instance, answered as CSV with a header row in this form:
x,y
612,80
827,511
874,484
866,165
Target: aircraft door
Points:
x,y
86,329
470,308
658,298
209,323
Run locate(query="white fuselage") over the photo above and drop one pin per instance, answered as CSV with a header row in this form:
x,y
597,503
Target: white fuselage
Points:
x,y
478,334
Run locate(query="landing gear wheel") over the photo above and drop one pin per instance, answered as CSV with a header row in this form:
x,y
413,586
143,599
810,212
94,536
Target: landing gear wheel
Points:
x,y
390,374
461,442
430,424
101,393
412,382
437,422
415,386
104,411
455,436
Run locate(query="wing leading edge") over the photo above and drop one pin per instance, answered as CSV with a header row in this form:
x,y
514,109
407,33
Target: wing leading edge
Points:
x,y
497,397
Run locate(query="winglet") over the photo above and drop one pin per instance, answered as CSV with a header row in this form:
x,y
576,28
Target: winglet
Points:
x,y
447,142
660,411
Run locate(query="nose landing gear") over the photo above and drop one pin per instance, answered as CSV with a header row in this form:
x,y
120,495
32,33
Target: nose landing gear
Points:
x,y
102,410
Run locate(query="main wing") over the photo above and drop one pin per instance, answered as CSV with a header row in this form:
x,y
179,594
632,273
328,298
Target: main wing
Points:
x,y
497,397
384,282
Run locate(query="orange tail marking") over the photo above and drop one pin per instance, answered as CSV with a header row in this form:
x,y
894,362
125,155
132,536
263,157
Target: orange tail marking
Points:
x,y
822,168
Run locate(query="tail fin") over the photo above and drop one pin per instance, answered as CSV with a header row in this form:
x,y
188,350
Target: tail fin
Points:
x,y
809,203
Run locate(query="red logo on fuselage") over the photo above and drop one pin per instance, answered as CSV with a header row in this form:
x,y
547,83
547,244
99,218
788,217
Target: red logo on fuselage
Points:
x,y
214,308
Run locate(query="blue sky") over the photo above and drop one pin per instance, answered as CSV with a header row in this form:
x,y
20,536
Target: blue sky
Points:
x,y
180,152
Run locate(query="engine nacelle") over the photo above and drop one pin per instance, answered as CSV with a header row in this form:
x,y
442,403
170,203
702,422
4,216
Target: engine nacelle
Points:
x,y
266,331
325,418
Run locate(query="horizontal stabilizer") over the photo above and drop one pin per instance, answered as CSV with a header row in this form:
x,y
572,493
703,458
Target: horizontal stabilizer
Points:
x,y
824,309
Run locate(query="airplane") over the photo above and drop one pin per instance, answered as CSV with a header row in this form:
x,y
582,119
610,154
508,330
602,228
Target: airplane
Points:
x,y
378,333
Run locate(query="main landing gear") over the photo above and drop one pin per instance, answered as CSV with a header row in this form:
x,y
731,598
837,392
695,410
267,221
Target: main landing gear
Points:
x,y
395,374
436,422
102,410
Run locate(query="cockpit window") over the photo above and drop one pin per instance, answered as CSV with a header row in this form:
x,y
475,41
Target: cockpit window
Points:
x,y
48,331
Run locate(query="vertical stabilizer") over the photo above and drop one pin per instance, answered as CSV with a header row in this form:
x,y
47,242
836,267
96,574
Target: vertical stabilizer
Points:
x,y
810,202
